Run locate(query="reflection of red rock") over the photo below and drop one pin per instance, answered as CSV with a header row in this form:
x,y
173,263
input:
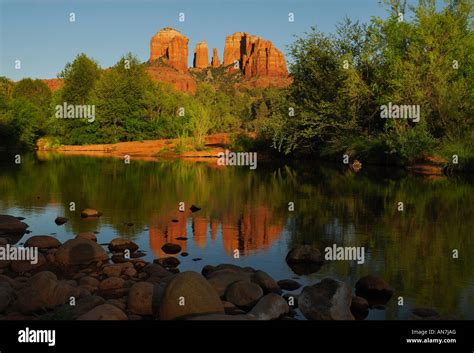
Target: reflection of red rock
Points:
x,y
200,232
163,230
256,232
254,229
214,227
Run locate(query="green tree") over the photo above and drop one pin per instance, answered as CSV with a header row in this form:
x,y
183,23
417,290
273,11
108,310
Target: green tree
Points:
x,y
79,78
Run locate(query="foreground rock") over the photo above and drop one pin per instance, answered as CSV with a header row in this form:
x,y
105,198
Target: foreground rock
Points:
x,y
268,284
243,294
289,284
90,212
43,291
194,293
7,295
104,312
374,289
221,279
359,308
10,225
22,266
121,244
326,300
140,298
171,248
168,261
270,307
43,242
60,220
80,251
425,313
87,235
304,259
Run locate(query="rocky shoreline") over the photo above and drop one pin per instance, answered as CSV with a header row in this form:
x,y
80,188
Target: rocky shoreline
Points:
x,y
80,280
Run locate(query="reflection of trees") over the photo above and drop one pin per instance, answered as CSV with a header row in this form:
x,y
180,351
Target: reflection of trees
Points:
x,y
411,249
249,210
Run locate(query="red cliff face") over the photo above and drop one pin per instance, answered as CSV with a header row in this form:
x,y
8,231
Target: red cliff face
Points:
x,y
201,56
172,46
256,56
215,58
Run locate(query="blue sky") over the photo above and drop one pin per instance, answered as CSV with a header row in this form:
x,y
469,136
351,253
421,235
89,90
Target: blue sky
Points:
x,y
40,35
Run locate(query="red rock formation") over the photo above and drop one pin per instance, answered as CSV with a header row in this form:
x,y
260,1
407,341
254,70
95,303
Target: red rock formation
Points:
x,y
182,81
54,83
256,56
233,48
215,58
201,57
172,46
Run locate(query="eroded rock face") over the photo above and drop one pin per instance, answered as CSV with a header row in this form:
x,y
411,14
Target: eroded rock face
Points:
x,y
256,56
201,56
215,58
172,46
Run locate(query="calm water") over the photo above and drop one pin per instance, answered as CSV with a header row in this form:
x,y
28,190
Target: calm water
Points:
x,y
248,210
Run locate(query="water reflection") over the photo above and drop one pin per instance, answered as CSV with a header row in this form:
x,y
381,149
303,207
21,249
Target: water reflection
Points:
x,y
248,210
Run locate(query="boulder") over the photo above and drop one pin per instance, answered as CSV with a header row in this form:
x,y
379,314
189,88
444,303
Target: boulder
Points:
x,y
270,307
423,313
60,220
289,284
327,300
171,248
7,296
43,291
221,279
140,298
359,308
89,282
43,242
87,235
268,284
90,212
374,289
168,261
22,266
121,244
104,312
188,293
80,251
243,294
10,225
111,283
304,259
219,317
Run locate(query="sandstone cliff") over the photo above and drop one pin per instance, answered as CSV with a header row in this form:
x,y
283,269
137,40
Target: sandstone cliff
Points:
x,y
172,46
256,56
215,58
201,56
